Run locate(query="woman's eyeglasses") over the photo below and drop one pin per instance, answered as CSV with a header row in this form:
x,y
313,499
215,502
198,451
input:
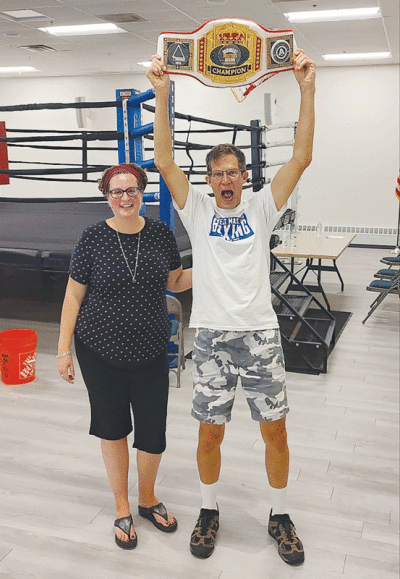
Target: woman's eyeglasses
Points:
x,y
118,193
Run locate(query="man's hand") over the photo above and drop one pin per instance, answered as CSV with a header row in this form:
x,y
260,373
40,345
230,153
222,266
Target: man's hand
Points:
x,y
156,75
304,69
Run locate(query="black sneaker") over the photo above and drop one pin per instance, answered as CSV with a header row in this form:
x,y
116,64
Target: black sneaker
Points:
x,y
290,548
205,532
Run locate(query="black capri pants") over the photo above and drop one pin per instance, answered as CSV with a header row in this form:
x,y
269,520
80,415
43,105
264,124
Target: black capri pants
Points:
x,y
114,391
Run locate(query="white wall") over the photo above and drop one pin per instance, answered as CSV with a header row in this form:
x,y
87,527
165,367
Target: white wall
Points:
x,y
356,154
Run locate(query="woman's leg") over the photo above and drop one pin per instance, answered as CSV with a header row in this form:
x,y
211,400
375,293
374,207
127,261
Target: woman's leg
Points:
x,y
147,465
116,460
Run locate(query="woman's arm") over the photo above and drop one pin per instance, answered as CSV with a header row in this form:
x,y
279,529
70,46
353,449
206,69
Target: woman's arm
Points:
x,y
74,295
179,280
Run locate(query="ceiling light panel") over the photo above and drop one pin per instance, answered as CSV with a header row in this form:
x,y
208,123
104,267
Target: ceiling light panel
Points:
x,y
358,56
17,69
25,15
349,36
83,30
333,15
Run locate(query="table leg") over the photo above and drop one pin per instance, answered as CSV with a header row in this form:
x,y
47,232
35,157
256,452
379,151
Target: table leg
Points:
x,y
338,273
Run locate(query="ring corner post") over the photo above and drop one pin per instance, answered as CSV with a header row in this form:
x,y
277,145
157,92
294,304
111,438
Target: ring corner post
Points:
x,y
166,208
256,161
124,119
4,177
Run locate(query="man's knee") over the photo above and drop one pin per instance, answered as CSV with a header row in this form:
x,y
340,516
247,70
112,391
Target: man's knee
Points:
x,y
210,436
274,433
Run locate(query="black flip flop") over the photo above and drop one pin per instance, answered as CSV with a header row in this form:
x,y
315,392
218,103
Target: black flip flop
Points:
x,y
125,524
148,513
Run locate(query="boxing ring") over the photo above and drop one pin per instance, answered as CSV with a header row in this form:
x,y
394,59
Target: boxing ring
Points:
x,y
39,234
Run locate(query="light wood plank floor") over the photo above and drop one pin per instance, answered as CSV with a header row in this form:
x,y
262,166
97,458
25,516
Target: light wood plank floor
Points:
x,y
56,509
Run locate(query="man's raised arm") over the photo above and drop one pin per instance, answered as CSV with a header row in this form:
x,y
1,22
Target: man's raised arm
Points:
x,y
173,175
287,177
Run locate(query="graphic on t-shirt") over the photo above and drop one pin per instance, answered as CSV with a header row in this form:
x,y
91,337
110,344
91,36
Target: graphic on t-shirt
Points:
x,y
231,228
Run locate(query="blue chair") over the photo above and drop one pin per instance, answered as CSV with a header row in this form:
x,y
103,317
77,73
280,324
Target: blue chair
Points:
x,y
391,260
384,286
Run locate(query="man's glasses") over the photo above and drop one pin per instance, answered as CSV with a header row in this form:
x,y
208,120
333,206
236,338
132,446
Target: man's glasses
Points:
x,y
131,192
230,173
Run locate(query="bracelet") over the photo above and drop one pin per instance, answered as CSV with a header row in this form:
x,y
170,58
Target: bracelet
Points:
x,y
62,355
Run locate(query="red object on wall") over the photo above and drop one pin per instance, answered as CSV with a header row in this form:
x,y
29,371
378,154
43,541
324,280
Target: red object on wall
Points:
x,y
4,178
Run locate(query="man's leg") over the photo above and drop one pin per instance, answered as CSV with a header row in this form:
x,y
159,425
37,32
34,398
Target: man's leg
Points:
x,y
276,452
209,465
280,526
214,380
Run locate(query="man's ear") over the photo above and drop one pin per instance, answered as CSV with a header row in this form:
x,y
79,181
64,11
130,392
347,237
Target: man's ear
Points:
x,y
245,176
208,180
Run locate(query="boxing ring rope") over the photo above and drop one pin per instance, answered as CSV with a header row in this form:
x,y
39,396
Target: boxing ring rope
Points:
x,y
129,137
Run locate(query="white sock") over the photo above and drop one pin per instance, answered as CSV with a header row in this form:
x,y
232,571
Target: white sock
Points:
x,y
209,495
278,500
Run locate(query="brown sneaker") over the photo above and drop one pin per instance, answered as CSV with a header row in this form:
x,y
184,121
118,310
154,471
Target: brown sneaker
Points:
x,y
205,532
290,548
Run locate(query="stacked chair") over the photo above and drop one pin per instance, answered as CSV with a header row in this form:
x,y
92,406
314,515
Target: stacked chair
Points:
x,y
387,282
176,354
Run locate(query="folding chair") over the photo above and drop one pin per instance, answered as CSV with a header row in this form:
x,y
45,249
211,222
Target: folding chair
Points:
x,y
176,355
391,260
384,287
385,273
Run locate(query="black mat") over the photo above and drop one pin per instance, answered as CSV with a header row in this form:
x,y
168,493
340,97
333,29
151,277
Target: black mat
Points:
x,y
41,236
341,319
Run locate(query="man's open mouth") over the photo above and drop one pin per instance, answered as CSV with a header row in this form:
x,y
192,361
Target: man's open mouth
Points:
x,y
227,194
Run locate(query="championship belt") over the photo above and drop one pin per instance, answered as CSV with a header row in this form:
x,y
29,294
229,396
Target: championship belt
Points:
x,y
227,52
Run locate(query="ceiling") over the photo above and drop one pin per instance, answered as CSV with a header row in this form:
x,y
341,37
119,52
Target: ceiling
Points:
x,y
119,53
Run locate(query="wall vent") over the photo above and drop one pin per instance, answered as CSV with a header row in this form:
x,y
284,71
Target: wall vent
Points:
x,y
373,236
350,229
39,48
128,17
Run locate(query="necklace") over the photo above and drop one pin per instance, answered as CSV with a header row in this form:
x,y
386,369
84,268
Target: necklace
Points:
x,y
133,275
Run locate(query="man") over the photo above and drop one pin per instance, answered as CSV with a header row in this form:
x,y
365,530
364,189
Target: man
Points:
x,y
237,332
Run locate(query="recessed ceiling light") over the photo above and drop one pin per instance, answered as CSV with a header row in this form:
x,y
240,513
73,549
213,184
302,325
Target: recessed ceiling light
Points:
x,y
25,15
17,69
357,56
83,30
329,15
216,2
145,63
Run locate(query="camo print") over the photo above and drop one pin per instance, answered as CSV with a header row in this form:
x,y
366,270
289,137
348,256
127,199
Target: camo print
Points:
x,y
220,357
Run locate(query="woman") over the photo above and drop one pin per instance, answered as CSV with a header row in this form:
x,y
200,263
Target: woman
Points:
x,y
116,310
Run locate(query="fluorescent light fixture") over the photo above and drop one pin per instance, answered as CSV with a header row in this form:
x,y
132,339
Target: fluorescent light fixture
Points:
x,y
145,63
6,69
329,15
82,30
357,56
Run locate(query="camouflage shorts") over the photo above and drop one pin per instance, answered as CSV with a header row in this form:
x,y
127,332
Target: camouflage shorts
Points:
x,y
220,357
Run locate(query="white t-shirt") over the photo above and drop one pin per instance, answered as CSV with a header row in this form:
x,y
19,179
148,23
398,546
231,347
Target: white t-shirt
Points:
x,y
231,261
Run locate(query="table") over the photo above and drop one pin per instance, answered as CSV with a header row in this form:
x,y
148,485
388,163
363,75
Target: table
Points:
x,y
312,246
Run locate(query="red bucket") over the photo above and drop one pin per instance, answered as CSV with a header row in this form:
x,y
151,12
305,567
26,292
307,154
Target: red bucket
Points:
x,y
18,356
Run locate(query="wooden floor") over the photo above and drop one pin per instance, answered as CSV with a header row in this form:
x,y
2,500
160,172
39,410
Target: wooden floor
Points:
x,y
56,509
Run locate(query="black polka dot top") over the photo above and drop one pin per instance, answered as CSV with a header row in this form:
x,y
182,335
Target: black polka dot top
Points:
x,y
126,323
